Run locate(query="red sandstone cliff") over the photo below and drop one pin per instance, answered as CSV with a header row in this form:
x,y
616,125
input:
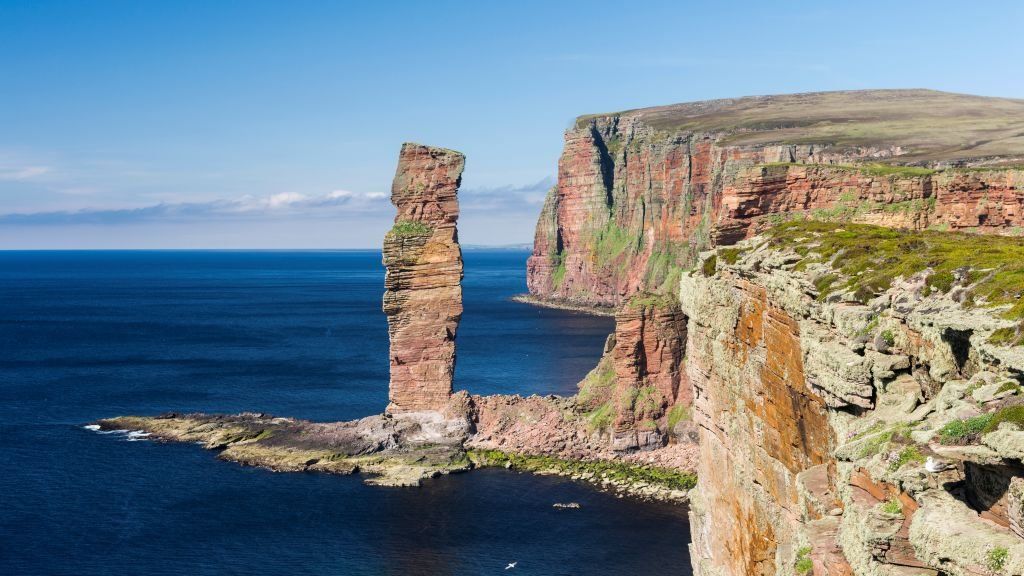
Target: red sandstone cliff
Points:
x,y
640,193
423,297
639,394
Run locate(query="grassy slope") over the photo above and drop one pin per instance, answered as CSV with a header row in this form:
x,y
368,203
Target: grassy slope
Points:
x,y
929,125
990,269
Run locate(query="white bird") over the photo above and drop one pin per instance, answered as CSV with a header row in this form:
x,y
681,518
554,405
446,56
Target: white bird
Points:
x,y
932,465
511,565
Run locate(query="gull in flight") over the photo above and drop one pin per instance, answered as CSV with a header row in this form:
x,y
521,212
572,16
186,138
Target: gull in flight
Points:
x,y
932,465
511,565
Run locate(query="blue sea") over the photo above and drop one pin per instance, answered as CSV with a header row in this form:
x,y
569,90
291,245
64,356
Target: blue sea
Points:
x,y
86,335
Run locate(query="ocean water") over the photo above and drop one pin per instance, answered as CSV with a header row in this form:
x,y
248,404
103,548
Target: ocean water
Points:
x,y
84,335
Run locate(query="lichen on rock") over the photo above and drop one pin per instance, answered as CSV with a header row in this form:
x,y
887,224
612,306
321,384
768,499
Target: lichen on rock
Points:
x,y
819,402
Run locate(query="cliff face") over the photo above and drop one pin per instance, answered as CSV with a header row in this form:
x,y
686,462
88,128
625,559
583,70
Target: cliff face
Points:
x,y
641,193
639,394
423,281
827,363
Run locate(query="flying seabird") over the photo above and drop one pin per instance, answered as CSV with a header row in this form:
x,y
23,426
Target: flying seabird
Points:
x,y
511,565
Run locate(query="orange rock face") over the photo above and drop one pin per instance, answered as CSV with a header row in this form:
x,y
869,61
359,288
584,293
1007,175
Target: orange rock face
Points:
x,y
633,203
423,297
760,427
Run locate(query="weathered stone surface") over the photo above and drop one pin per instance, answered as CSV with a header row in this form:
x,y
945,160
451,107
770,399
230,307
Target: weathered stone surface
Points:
x,y
423,297
760,426
814,430
1015,506
392,451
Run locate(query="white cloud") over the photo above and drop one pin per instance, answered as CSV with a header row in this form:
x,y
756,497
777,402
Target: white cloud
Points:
x,y
285,199
246,207
522,200
23,172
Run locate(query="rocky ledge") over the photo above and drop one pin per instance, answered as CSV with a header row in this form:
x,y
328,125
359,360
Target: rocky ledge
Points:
x,y
544,435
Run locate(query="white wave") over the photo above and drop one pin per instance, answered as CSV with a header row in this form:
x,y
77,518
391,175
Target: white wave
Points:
x,y
93,427
137,435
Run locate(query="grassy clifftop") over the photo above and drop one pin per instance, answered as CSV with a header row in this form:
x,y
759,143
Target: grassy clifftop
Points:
x,y
929,125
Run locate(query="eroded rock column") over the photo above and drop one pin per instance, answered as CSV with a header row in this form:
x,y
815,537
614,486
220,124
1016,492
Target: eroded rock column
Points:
x,y
423,282
650,337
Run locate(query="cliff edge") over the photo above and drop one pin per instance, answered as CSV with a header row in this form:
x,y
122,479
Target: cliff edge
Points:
x,y
641,193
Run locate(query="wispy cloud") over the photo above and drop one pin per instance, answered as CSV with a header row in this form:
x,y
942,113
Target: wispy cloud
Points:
x,y
13,172
246,207
283,205
528,197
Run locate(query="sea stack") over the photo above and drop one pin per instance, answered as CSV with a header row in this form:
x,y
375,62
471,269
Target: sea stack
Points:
x,y
423,282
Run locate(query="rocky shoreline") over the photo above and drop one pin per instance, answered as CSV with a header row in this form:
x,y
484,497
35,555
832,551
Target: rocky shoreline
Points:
x,y
404,450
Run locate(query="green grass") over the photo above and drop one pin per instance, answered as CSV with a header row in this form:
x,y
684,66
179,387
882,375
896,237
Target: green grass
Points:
x,y
664,268
906,456
870,258
803,564
892,506
927,124
677,414
888,337
996,558
649,299
1009,336
1008,385
597,385
970,430
874,440
558,275
1012,414
614,246
409,228
873,169
964,431
823,284
710,266
603,469
601,418
729,255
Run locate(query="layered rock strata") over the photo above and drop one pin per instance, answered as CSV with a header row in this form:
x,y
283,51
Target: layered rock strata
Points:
x,y
641,193
819,396
639,392
423,282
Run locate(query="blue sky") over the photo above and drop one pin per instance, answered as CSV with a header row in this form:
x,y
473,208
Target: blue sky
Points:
x,y
255,124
